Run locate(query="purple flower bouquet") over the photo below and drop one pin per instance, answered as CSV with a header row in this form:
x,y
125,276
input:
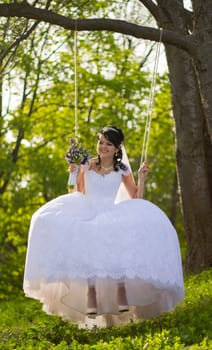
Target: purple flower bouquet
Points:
x,y
76,155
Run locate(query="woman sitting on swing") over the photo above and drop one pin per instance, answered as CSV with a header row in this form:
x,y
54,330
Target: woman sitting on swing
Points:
x,y
104,254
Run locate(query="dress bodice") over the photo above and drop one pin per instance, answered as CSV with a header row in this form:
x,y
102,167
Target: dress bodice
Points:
x,y
102,188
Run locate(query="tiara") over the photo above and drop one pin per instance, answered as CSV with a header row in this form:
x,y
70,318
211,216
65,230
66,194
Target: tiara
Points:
x,y
110,128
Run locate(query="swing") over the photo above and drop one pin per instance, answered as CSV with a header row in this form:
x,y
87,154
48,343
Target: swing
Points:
x,y
146,138
76,127
79,241
147,129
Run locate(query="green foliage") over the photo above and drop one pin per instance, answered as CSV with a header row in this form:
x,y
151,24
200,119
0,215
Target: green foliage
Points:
x,y
113,88
24,326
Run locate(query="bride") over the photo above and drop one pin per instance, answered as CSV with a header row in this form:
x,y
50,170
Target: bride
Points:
x,y
102,255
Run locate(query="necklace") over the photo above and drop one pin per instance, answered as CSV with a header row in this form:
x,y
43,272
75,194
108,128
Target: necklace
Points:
x,y
106,169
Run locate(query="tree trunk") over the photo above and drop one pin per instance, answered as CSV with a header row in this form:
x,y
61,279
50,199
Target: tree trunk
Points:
x,y
192,146
191,160
174,200
202,27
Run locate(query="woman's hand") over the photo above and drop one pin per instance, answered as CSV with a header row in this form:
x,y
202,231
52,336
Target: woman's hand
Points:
x,y
142,173
143,170
73,167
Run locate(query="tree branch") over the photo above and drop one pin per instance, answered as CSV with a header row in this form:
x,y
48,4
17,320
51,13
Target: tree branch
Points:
x,y
22,36
19,39
186,43
188,18
152,8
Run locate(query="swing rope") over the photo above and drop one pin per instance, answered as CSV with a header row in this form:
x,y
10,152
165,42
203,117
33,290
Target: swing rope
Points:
x,y
147,129
76,127
146,137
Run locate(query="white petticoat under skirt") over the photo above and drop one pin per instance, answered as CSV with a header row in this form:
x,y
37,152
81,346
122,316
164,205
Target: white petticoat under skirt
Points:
x,y
73,241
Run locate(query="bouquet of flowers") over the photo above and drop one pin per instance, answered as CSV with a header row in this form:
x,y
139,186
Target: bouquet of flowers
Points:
x,y
76,155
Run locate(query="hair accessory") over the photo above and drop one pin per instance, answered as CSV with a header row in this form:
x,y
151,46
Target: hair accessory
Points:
x,y
110,128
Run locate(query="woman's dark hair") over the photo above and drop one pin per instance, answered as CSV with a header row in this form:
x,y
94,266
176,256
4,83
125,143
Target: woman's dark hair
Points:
x,y
116,137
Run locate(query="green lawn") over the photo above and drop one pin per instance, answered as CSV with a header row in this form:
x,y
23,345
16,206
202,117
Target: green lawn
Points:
x,y
23,325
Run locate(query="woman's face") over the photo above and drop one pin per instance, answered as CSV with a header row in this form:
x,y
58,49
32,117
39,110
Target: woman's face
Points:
x,y
105,148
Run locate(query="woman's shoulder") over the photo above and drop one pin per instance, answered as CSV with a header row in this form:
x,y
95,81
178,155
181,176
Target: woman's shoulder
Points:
x,y
90,165
125,169
93,162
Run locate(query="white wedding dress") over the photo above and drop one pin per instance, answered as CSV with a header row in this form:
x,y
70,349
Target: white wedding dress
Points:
x,y
77,239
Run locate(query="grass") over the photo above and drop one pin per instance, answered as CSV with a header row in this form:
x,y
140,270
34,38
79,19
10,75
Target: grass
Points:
x,y
23,325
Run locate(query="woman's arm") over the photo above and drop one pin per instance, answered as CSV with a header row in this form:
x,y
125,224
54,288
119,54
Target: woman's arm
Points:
x,y
130,185
133,190
80,181
142,174
80,178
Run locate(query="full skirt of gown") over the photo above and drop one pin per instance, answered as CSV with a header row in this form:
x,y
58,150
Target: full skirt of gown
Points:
x,y
75,241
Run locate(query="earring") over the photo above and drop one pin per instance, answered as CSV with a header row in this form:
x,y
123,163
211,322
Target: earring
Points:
x,y
117,157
